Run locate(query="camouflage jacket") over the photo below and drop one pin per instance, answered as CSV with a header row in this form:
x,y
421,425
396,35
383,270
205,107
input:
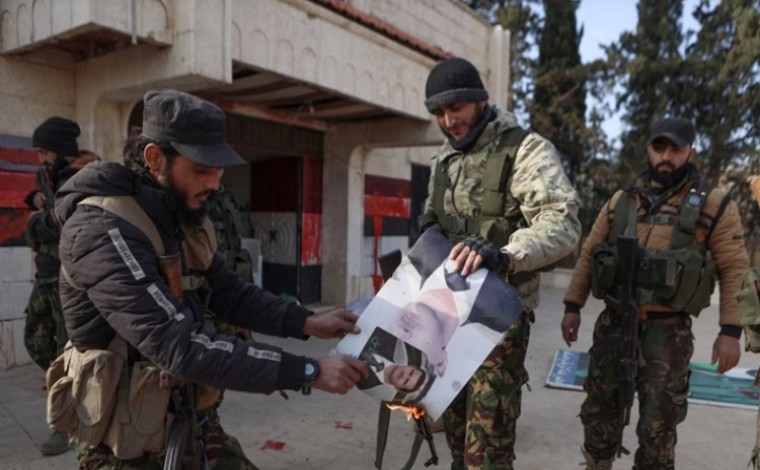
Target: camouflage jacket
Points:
x,y
537,189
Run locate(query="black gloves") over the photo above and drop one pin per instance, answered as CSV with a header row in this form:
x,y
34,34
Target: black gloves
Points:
x,y
493,259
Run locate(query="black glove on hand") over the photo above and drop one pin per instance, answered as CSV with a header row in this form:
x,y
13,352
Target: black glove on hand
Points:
x,y
493,259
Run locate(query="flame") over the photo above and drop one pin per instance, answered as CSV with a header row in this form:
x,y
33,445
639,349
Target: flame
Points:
x,y
412,412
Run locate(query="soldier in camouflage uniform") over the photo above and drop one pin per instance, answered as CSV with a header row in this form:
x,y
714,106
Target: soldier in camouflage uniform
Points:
x,y
677,220
500,194
44,333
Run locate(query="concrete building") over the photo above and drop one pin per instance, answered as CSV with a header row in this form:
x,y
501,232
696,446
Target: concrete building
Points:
x,y
324,99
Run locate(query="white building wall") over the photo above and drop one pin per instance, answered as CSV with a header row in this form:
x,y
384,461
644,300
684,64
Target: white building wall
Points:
x,y
15,286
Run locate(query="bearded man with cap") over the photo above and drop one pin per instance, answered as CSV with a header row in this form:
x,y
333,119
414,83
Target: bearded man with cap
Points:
x,y
688,232
499,193
55,141
139,269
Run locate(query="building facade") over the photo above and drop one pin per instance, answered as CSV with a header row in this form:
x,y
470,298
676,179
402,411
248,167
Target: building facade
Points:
x,y
324,100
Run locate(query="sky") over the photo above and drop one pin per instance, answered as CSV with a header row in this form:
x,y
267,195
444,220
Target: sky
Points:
x,y
603,21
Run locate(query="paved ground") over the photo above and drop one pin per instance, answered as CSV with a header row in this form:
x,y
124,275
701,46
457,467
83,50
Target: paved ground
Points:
x,y
338,432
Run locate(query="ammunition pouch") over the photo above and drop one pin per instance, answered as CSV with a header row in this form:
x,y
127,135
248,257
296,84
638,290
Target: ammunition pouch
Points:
x,y
749,308
603,265
97,400
82,393
681,279
496,230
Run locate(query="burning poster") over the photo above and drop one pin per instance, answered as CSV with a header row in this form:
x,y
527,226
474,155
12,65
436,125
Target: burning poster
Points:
x,y
428,329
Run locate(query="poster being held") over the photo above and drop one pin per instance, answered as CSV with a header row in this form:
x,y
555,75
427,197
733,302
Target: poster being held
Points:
x,y
428,329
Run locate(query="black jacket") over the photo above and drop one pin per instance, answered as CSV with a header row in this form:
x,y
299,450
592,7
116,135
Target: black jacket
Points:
x,y
124,293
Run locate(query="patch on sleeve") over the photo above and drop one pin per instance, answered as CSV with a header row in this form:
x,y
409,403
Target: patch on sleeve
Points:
x,y
164,303
206,341
126,253
264,354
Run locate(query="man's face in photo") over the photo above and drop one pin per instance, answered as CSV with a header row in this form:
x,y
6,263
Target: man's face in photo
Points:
x,y
428,329
404,378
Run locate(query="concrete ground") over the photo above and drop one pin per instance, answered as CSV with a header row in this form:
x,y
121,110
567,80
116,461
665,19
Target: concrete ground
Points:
x,y
338,432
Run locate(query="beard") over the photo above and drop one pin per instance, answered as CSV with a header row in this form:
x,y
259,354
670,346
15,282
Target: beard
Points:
x,y
668,179
178,201
473,121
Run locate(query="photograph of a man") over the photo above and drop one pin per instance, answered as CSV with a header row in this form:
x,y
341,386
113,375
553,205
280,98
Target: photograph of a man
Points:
x,y
399,372
430,316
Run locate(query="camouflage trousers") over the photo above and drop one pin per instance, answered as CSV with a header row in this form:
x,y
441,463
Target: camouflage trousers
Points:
x,y
480,423
44,331
223,452
662,383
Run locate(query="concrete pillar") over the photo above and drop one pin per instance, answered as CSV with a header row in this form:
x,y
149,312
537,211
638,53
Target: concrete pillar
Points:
x,y
346,147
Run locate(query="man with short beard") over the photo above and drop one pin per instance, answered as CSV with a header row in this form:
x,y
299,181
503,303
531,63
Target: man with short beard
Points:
x,y
499,193
137,252
687,232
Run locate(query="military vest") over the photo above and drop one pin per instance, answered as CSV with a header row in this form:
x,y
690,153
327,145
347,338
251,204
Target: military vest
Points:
x,y
97,396
681,278
489,222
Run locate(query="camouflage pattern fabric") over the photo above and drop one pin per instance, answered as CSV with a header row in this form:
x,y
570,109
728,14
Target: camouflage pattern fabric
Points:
x,y
539,193
665,348
222,451
480,423
44,331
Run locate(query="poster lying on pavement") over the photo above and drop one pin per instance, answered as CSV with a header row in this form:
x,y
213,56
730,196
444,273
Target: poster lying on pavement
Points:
x,y
428,329
736,388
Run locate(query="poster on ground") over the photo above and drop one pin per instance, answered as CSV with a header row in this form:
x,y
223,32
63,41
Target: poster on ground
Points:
x,y
736,388
428,329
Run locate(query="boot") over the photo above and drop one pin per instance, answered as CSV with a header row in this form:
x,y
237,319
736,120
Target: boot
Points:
x,y
591,464
58,443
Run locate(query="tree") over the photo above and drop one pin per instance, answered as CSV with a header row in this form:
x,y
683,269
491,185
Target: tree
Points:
x,y
650,68
722,91
522,22
559,99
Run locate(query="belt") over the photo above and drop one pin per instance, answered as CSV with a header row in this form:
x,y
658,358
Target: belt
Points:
x,y
664,317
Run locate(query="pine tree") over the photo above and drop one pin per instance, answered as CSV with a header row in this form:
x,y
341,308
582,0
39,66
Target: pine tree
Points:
x,y
723,86
650,66
559,99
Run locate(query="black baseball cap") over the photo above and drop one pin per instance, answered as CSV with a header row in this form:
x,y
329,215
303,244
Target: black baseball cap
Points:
x,y
193,126
677,130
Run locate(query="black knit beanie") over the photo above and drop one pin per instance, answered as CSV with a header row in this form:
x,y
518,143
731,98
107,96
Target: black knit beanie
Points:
x,y
57,135
452,81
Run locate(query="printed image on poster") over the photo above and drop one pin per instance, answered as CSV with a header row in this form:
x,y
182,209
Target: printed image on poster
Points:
x,y
429,328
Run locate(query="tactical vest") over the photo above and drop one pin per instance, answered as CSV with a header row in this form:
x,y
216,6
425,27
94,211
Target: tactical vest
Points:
x,y
489,221
96,396
681,277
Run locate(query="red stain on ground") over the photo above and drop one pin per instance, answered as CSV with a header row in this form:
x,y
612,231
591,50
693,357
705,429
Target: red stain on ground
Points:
x,y
273,445
340,425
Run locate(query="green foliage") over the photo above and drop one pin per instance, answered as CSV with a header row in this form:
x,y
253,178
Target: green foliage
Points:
x,y
559,99
522,21
723,84
648,65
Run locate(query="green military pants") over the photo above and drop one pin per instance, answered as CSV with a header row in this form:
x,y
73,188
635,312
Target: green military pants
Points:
x,y
480,422
44,330
223,451
665,348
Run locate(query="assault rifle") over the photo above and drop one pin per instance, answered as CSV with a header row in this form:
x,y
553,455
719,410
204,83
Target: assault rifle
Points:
x,y
623,303
184,450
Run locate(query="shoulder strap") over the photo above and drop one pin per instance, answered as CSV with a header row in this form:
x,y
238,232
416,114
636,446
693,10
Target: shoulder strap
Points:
x,y
498,168
127,208
440,183
625,217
